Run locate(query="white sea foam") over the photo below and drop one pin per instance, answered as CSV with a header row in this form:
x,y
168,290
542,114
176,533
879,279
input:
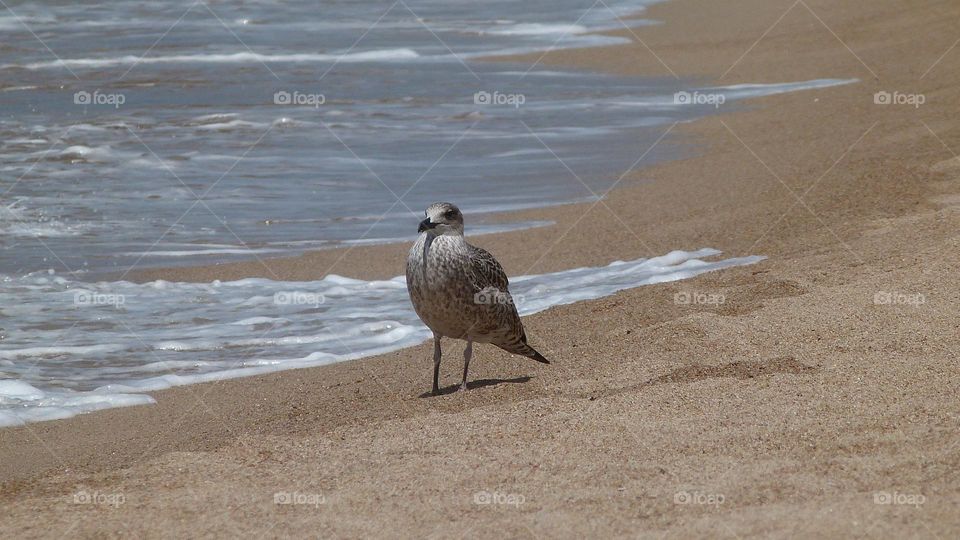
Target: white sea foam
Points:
x,y
23,140
231,125
49,229
21,403
238,250
85,152
537,29
17,221
82,350
223,58
168,334
741,91
521,152
18,88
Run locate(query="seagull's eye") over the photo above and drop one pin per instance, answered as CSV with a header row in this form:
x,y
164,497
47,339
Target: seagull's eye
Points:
x,y
450,214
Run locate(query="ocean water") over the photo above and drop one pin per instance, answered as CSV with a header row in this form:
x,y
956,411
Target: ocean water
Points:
x,y
138,135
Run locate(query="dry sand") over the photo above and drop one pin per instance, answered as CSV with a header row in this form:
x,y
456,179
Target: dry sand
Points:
x,y
790,409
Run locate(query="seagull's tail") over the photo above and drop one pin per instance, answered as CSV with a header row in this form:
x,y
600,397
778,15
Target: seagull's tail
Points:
x,y
520,347
537,356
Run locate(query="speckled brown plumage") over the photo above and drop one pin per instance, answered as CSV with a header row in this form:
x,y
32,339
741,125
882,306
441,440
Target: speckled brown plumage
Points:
x,y
461,291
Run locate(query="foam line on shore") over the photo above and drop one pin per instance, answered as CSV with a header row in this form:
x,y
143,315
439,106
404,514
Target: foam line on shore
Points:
x,y
112,338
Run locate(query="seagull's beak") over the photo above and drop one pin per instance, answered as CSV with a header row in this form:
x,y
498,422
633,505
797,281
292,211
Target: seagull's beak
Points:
x,y
426,225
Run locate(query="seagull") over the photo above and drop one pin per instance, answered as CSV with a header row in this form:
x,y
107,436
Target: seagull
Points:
x,y
460,291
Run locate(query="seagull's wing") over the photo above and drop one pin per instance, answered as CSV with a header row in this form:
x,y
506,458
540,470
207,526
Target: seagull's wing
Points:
x,y
500,315
493,304
485,271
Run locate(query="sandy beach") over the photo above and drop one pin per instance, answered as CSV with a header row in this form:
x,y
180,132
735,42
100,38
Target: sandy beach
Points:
x,y
815,395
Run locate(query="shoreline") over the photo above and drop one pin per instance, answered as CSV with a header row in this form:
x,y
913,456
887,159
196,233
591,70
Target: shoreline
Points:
x,y
811,391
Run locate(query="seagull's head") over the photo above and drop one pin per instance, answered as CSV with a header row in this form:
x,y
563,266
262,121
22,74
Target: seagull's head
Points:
x,y
442,218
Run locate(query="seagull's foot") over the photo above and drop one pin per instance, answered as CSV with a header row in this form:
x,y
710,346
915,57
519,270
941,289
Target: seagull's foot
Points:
x,y
435,391
463,386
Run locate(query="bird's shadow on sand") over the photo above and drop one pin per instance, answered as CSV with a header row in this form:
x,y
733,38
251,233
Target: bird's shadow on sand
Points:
x,y
473,385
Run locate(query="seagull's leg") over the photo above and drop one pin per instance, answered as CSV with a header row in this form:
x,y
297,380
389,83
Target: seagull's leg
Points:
x,y
436,364
467,353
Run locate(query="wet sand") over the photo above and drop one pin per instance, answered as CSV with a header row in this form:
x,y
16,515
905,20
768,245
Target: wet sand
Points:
x,y
818,399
